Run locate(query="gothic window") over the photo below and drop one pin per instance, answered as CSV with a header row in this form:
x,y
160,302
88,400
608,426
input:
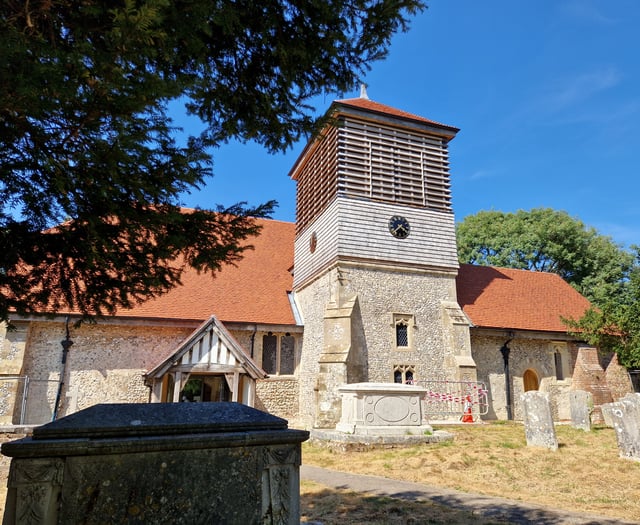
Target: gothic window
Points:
x,y
278,354
404,374
402,334
402,325
561,360
558,361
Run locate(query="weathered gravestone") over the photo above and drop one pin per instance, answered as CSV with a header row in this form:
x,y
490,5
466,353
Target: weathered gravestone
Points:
x,y
625,418
607,416
165,463
538,420
581,405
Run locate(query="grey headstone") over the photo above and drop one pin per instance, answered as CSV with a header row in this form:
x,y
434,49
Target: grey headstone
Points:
x,y
625,416
607,416
538,420
581,403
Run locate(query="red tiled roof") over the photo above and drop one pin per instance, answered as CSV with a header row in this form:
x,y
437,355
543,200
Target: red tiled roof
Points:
x,y
253,291
370,105
517,299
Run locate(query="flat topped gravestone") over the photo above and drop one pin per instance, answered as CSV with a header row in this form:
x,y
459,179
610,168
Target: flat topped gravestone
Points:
x,y
179,463
538,420
159,419
382,409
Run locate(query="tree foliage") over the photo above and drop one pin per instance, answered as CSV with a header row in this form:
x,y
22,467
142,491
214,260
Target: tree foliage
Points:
x,y
91,172
615,324
546,240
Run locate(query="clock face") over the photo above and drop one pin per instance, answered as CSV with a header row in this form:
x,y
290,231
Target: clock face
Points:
x,y
399,227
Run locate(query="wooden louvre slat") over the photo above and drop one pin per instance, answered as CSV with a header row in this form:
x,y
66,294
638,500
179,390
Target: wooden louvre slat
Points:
x,y
387,164
317,180
369,160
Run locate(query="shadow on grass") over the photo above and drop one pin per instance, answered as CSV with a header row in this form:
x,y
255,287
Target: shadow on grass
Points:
x,y
348,500
342,506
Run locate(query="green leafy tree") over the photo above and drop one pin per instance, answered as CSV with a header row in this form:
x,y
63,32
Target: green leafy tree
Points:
x,y
546,240
91,171
552,241
615,324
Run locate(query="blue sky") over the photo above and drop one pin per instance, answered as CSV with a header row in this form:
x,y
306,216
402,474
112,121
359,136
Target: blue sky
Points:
x,y
546,95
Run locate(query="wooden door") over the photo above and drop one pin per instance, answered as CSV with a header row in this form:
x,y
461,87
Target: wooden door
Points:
x,y
530,379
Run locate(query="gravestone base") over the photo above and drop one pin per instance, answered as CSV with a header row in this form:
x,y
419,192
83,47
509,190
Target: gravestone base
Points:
x,y
341,442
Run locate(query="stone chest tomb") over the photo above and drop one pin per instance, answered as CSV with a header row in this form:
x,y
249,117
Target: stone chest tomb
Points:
x,y
382,409
179,463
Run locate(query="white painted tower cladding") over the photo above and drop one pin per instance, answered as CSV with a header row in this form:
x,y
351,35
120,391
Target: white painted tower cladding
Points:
x,y
375,255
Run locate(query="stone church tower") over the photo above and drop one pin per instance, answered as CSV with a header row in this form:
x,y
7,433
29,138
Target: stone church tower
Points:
x,y
375,256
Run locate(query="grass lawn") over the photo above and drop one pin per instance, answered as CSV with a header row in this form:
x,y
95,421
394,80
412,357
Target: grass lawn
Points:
x,y
585,474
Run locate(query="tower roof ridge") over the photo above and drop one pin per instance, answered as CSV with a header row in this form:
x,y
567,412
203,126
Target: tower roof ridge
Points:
x,y
377,107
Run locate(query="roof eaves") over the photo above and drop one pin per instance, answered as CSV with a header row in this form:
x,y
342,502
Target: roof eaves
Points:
x,y
382,109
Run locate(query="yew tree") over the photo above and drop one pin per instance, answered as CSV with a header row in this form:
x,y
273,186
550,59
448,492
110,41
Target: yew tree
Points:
x,y
91,169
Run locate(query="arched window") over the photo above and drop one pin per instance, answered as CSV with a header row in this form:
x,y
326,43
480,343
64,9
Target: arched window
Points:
x,y
402,325
402,334
404,374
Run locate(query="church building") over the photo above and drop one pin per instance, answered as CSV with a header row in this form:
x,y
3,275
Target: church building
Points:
x,y
364,287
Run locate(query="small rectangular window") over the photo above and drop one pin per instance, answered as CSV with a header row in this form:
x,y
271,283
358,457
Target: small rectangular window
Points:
x,y
287,354
270,353
561,359
278,354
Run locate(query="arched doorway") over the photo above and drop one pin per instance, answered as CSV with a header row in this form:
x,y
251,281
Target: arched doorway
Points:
x,y
530,380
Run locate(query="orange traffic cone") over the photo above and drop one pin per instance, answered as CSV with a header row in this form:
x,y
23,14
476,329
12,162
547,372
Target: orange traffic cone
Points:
x,y
467,417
